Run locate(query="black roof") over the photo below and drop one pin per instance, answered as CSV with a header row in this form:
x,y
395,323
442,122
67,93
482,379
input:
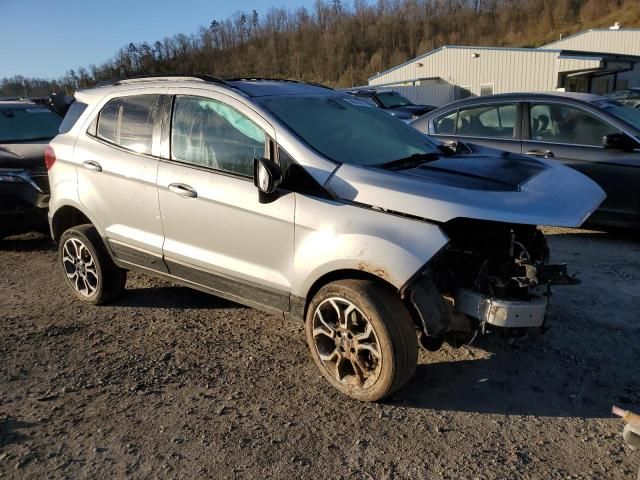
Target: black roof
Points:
x,y
262,87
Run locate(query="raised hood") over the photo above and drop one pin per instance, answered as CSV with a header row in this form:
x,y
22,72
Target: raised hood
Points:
x,y
487,185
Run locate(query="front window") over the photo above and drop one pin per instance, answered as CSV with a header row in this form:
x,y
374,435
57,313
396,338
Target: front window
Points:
x,y
25,124
347,130
393,100
561,124
623,112
208,133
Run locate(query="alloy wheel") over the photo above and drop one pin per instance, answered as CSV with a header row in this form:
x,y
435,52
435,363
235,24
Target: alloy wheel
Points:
x,y
346,343
80,267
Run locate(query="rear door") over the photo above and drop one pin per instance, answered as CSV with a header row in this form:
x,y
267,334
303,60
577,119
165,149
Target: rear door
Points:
x,y
493,125
117,164
573,135
217,233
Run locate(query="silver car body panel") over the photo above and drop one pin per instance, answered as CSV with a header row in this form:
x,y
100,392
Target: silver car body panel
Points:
x,y
545,199
332,236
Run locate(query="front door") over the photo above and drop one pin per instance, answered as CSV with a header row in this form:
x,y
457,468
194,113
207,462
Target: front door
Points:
x,y
217,233
573,136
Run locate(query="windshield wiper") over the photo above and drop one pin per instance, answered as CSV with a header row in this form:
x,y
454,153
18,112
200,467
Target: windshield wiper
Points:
x,y
411,161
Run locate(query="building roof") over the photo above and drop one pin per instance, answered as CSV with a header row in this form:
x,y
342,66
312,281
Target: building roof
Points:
x,y
612,32
561,53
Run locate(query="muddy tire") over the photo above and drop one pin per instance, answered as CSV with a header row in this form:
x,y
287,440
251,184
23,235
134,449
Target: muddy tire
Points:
x,y
362,338
87,267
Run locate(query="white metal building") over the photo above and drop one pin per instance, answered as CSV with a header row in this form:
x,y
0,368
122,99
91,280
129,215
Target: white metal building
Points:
x,y
615,40
573,64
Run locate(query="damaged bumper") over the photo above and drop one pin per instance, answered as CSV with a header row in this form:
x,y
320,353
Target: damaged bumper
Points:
x,y
500,312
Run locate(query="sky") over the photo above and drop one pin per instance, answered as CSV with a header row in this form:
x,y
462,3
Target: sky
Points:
x,y
46,38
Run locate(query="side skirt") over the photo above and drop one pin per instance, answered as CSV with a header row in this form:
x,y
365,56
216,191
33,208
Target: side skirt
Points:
x,y
267,301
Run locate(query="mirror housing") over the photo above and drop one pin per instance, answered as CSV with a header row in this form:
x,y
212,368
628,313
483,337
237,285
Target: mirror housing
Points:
x,y
619,141
267,176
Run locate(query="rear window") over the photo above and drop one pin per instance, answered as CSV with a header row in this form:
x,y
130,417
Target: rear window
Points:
x,y
73,114
23,124
128,122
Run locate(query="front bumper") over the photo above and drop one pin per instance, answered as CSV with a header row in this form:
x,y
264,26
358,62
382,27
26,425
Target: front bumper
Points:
x,y
502,312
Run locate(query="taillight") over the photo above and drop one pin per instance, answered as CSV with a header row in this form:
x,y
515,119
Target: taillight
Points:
x,y
49,157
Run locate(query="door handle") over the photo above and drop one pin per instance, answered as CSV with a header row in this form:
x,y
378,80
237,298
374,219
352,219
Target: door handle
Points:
x,y
540,153
92,166
183,190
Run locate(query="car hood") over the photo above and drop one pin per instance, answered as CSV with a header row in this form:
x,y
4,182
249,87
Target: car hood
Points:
x,y
23,155
484,184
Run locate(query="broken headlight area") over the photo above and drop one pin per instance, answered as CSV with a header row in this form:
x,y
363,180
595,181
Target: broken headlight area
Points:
x,y
491,274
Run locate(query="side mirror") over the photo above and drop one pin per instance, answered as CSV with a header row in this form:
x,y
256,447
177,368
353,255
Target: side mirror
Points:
x,y
619,141
267,176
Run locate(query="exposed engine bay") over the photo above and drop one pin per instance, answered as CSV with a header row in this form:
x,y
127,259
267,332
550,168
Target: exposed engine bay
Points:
x,y
490,274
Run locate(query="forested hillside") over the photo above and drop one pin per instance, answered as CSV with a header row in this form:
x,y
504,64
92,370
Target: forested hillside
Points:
x,y
342,43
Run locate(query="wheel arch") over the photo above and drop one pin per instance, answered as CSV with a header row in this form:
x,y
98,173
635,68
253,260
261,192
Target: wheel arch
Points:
x,y
334,276
68,216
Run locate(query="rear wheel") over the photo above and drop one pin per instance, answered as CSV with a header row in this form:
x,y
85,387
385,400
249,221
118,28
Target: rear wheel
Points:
x,y
362,338
87,267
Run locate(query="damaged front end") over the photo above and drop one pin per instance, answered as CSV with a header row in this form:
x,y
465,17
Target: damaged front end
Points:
x,y
490,274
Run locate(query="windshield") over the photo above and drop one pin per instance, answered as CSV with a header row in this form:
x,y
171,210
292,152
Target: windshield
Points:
x,y
623,112
22,124
348,130
393,100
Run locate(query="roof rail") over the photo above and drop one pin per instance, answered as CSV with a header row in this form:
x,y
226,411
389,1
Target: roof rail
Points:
x,y
171,76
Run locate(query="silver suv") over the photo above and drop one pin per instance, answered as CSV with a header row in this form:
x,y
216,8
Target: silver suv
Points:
x,y
303,201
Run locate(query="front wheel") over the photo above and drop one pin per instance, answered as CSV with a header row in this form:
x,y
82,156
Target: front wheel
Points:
x,y
362,338
87,266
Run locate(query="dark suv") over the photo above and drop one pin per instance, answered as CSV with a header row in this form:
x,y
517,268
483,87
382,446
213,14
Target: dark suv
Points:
x,y
25,130
392,102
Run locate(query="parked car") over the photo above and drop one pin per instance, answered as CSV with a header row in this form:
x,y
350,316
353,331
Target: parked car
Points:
x,y
25,130
629,96
294,199
597,136
392,102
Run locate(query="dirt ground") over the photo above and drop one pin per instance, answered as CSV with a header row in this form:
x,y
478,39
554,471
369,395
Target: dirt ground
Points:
x,y
173,383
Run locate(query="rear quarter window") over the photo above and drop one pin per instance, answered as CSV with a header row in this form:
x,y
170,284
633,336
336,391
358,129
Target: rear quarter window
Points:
x,y
129,122
73,114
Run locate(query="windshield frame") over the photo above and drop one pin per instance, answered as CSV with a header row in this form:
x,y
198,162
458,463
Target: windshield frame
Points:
x,y
262,102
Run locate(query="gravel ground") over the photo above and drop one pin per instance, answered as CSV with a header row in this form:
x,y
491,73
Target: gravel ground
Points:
x,y
169,382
